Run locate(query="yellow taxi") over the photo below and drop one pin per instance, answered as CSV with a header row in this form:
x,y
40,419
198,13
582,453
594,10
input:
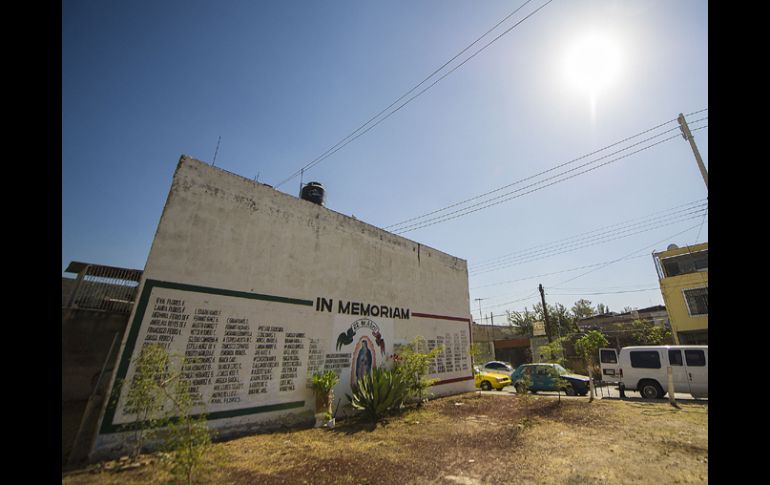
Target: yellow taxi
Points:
x,y
488,380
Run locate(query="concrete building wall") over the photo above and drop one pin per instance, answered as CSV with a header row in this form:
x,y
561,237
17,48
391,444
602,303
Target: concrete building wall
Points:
x,y
266,288
86,339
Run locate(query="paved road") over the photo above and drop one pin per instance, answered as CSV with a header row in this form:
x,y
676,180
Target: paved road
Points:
x,y
606,392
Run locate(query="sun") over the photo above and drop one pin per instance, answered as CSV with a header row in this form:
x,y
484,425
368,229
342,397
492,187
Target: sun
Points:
x,y
592,63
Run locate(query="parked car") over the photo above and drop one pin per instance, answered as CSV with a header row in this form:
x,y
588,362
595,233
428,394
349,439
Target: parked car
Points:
x,y
645,369
488,380
541,378
499,366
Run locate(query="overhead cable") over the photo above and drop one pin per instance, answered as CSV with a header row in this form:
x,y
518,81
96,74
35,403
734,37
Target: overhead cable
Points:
x,y
355,134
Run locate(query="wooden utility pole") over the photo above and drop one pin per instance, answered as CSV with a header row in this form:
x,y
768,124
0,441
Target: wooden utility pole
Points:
x,y
545,314
688,136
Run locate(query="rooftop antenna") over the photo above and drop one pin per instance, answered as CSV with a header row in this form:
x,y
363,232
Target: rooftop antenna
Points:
x,y
216,151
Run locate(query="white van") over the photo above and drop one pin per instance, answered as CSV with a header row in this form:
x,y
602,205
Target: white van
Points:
x,y
644,369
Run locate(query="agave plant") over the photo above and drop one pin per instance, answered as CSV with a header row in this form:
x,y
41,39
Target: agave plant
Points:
x,y
378,393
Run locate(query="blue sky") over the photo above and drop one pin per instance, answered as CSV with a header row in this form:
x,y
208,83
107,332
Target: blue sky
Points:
x,y
281,82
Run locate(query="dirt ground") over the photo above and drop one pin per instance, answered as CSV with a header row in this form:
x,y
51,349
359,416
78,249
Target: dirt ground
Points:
x,y
467,439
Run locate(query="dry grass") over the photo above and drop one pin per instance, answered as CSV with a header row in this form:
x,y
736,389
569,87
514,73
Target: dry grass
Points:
x,y
488,439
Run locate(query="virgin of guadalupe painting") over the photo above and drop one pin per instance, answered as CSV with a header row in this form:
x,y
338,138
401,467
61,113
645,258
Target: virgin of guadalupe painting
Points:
x,y
363,359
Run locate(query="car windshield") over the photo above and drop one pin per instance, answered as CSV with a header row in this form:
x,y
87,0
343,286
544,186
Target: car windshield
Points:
x,y
561,370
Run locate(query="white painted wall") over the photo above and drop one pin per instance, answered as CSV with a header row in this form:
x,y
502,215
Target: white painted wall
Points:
x,y
223,240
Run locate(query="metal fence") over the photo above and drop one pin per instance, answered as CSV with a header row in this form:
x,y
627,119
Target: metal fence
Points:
x,y
103,287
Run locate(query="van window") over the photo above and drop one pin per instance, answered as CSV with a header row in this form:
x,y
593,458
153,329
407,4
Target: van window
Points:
x,y
695,358
645,359
608,357
675,357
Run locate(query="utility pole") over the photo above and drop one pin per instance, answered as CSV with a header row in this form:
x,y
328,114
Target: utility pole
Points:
x,y
688,136
545,313
481,321
481,316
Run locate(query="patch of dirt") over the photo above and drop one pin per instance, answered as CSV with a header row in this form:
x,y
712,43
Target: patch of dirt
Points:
x,y
468,439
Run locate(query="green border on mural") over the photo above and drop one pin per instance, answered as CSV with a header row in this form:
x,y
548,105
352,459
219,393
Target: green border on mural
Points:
x,y
109,427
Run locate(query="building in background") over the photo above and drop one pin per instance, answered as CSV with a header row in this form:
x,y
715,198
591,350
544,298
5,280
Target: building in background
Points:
x,y
95,305
684,282
501,342
619,327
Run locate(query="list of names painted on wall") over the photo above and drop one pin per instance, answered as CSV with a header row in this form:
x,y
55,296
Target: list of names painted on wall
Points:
x,y
237,355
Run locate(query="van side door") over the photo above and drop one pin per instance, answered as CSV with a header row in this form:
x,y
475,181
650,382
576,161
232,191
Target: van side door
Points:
x,y
681,379
697,371
608,362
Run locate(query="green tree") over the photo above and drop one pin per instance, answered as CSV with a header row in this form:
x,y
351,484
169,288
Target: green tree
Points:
x,y
522,322
602,309
146,397
588,347
561,384
582,309
647,333
412,365
554,351
562,319
159,396
475,353
188,440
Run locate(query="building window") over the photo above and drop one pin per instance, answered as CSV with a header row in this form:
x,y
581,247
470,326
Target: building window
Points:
x,y
686,263
697,337
697,301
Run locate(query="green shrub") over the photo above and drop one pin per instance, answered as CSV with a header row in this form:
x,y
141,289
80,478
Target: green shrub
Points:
x,y
323,385
412,365
378,393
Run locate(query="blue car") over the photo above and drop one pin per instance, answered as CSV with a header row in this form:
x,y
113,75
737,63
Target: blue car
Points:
x,y
542,379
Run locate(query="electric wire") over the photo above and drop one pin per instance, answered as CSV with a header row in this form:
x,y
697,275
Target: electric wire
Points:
x,y
508,196
619,235
614,229
397,226
530,296
548,274
353,136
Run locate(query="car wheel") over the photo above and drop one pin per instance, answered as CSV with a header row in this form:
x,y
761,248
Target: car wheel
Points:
x,y
650,390
486,386
520,387
569,390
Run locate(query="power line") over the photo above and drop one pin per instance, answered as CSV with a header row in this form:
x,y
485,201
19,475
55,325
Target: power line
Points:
x,y
619,228
550,274
397,226
596,291
353,136
507,196
602,267
605,293
620,235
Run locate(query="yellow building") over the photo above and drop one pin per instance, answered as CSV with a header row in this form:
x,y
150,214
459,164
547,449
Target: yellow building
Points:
x,y
683,274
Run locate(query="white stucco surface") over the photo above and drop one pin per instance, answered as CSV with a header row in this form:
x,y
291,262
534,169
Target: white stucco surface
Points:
x,y
244,277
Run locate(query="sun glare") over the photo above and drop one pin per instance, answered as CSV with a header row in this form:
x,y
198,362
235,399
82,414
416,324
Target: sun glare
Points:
x,y
592,63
